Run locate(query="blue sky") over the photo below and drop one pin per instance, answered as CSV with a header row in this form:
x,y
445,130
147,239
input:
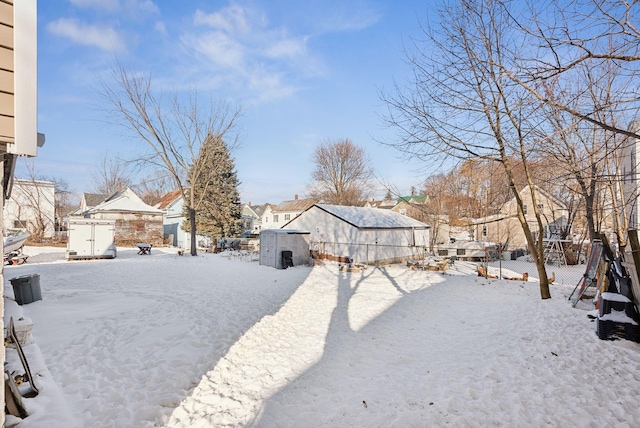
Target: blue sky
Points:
x,y
302,71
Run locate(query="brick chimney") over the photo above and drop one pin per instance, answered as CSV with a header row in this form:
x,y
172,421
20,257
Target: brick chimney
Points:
x,y
295,197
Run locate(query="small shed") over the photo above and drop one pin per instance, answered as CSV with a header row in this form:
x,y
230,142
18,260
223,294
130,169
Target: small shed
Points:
x,y
363,235
273,242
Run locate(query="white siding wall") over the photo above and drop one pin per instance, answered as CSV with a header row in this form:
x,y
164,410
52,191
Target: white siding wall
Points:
x,y
27,200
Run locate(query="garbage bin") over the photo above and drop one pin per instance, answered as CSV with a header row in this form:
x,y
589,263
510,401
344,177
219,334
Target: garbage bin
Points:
x,y
287,259
26,288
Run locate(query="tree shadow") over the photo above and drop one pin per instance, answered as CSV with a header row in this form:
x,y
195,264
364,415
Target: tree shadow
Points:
x,y
340,339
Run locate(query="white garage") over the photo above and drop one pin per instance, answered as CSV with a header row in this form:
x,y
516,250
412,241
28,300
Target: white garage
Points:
x,y
364,235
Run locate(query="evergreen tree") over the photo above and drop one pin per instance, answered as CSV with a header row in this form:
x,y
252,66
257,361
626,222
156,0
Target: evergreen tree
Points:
x,y
219,211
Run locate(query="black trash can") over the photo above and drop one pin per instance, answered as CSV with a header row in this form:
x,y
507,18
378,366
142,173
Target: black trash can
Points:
x,y
287,259
26,288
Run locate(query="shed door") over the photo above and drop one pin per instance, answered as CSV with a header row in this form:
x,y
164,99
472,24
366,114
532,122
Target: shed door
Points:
x,y
268,249
81,239
102,239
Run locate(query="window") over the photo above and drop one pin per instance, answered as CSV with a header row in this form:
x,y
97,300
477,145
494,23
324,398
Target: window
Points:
x,y
443,252
540,206
20,224
287,217
524,209
275,218
484,230
461,252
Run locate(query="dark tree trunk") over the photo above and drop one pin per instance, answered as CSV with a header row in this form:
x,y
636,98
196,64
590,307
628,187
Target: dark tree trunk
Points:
x,y
192,224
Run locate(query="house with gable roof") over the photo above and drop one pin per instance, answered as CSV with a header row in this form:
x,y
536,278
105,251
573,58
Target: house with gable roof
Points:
x,y
274,217
90,200
505,228
364,235
172,207
31,206
135,220
252,216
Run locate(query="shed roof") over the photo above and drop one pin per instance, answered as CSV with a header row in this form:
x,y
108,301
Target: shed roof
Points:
x,y
372,218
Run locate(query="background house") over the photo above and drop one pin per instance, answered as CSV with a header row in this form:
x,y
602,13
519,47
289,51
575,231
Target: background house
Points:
x,y
172,205
631,176
252,216
276,217
90,200
505,228
32,207
135,220
366,235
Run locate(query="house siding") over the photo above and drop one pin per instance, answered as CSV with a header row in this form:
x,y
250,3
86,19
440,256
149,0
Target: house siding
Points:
x,y
506,228
28,200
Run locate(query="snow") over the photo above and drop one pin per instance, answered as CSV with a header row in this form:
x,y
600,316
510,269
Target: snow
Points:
x,y
218,340
371,217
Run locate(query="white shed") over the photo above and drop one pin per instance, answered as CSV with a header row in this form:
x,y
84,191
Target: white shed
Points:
x,y
274,241
364,235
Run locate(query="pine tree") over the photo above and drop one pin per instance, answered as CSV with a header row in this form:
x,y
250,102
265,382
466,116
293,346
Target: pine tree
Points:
x,y
219,212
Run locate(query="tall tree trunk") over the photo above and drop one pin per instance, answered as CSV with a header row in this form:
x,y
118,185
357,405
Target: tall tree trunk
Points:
x,y
192,224
589,202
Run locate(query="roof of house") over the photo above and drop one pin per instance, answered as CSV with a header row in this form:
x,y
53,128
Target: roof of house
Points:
x,y
260,209
295,205
415,199
125,200
93,199
371,218
386,204
168,199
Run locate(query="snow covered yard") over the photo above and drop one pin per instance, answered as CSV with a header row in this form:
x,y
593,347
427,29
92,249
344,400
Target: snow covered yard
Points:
x,y
214,340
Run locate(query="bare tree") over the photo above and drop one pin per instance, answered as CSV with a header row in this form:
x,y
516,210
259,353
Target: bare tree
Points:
x,y
342,173
153,186
461,104
566,39
111,175
172,129
37,202
63,201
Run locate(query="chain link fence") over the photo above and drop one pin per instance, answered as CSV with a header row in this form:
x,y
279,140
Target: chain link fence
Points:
x,y
567,270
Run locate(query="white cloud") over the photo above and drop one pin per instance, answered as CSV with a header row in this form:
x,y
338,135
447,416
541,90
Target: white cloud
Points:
x,y
103,37
286,48
160,28
347,16
232,19
219,49
238,45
